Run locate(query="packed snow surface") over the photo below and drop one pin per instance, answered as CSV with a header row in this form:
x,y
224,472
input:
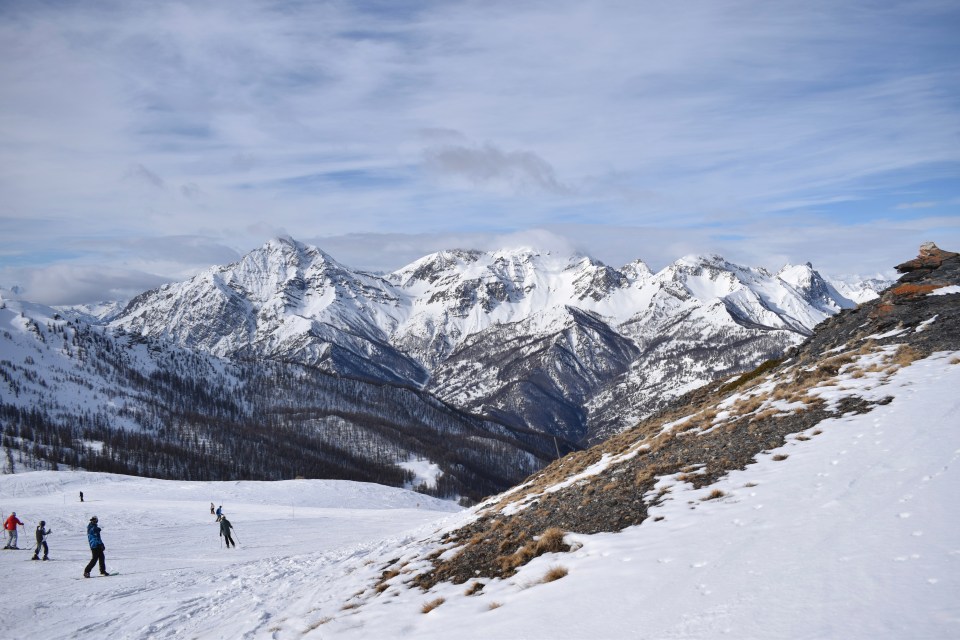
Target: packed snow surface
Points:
x,y
851,533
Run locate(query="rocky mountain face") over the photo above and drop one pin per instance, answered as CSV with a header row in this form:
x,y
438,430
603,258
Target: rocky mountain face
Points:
x,y
841,369
563,345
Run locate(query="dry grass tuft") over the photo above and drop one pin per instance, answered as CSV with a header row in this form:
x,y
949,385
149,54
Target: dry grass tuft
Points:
x,y
314,625
474,589
551,541
955,361
767,413
494,605
780,456
349,606
716,494
750,375
905,355
433,604
555,573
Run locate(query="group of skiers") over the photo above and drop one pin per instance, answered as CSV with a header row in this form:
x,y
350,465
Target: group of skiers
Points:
x,y
10,527
97,547
225,525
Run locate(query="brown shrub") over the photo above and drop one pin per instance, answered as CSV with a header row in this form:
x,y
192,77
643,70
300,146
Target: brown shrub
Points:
x,y
551,541
714,495
905,355
474,589
767,413
494,605
555,573
433,604
750,375
780,456
747,405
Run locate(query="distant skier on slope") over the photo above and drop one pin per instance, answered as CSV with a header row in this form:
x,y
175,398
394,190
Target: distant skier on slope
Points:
x,y
10,526
42,541
96,548
219,512
211,509
225,527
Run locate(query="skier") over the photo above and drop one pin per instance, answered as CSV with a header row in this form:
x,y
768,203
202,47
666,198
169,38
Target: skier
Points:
x,y
96,548
42,541
10,526
211,509
219,512
81,496
225,527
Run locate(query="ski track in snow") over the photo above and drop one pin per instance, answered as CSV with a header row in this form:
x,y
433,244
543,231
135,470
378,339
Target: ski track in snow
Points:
x,y
175,579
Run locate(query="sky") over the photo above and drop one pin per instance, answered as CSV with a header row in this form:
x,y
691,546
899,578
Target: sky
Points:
x,y
144,142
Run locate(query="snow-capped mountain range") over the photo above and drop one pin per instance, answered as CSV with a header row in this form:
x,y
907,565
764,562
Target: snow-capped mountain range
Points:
x,y
539,340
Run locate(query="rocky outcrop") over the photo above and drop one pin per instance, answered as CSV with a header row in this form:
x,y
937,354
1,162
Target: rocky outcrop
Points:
x,y
715,429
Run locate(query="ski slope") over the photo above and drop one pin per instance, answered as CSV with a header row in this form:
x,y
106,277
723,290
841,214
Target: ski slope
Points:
x,y
852,535
175,579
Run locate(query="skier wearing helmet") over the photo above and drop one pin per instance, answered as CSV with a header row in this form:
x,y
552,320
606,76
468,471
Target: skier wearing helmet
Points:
x,y
42,534
96,548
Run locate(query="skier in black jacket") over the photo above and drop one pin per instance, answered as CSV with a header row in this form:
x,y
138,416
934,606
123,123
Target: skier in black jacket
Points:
x,y
42,541
225,527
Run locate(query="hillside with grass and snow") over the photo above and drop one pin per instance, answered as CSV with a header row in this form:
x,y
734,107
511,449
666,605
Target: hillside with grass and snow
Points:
x,y
812,497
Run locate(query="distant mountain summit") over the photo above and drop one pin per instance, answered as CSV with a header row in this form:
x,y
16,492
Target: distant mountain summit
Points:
x,y
552,342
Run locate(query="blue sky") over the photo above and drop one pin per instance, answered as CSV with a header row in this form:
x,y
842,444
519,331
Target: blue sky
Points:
x,y
143,142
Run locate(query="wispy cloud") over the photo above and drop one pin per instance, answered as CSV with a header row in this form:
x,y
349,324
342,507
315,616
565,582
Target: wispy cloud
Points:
x,y
489,166
924,204
214,120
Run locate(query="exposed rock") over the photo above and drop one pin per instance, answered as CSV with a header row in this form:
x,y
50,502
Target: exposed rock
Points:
x,y
612,485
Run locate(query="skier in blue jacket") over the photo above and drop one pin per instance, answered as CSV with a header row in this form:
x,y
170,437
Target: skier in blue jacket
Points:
x,y
96,548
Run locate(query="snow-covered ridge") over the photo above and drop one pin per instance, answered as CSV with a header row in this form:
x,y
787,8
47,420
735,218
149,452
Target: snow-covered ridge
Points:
x,y
285,291
449,316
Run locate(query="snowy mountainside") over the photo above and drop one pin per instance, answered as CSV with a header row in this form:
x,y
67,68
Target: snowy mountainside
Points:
x,y
859,289
285,301
84,396
818,482
451,316
812,497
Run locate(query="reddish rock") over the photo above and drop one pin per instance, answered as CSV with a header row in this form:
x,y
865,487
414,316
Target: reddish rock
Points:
x,y
931,257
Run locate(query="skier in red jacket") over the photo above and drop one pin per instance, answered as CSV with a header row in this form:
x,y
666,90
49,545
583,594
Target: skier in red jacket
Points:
x,y
10,526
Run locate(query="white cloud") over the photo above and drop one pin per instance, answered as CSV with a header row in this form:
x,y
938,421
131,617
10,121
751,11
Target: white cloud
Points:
x,y
488,165
631,120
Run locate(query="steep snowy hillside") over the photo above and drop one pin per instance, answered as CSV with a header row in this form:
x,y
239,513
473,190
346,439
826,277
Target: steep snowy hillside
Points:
x,y
83,396
847,446
285,301
813,497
